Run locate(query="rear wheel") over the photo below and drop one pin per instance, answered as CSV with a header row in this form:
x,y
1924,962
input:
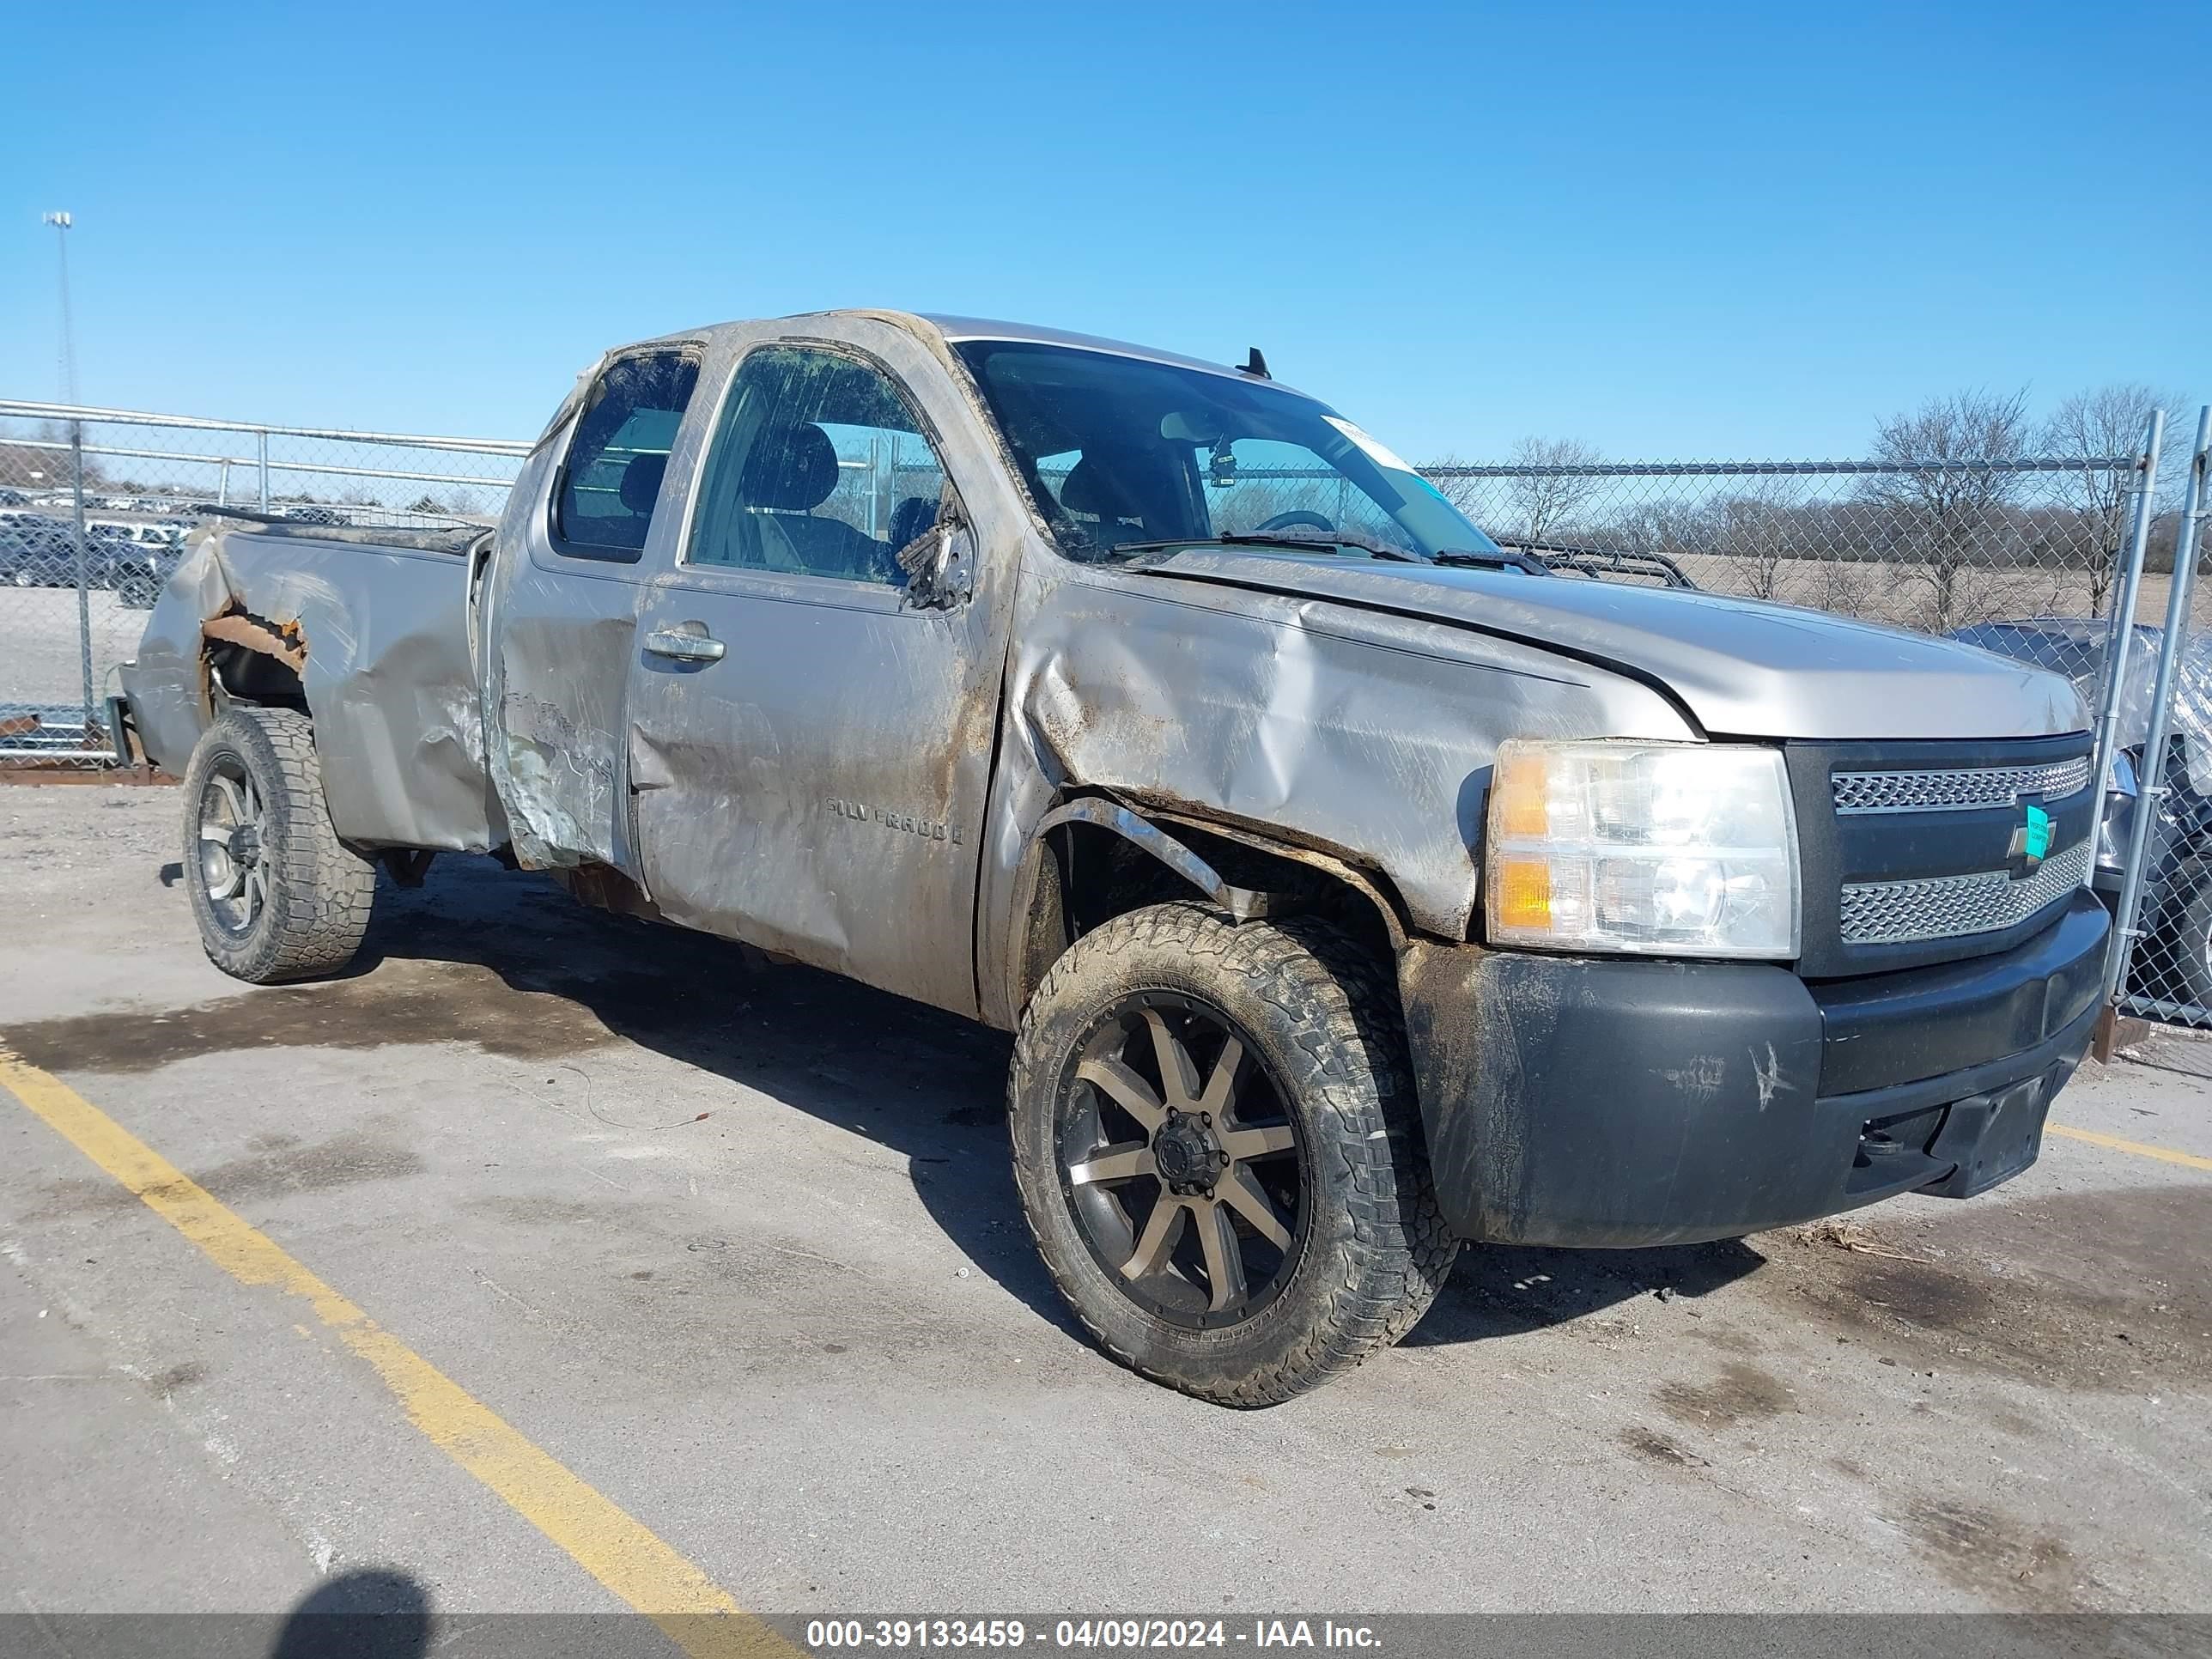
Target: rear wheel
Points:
x,y
277,895
1218,1150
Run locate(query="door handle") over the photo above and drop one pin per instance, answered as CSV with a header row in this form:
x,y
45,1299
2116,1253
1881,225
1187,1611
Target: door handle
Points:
x,y
684,646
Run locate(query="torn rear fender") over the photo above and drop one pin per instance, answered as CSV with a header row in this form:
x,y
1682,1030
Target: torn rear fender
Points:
x,y
378,635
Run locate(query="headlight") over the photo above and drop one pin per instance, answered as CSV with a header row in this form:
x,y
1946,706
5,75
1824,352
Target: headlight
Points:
x,y
1658,849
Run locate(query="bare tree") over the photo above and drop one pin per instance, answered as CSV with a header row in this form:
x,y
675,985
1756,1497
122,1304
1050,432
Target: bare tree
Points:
x,y
1949,502
1757,529
1545,502
1527,502
1849,586
2109,421
1476,497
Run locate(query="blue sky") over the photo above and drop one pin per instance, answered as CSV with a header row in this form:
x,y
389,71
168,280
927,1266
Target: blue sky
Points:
x,y
1670,231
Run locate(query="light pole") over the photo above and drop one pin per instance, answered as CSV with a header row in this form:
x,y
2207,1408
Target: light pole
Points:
x,y
61,222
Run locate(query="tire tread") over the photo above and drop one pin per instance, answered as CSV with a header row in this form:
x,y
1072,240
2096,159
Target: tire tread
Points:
x,y
321,892
1347,1008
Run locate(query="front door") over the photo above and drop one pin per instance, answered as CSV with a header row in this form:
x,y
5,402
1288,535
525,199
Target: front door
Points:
x,y
810,751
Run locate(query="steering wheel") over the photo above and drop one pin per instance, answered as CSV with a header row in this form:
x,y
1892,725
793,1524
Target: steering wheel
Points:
x,y
1292,520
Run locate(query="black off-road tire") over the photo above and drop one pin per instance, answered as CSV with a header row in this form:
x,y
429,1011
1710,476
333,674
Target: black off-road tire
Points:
x,y
318,890
1324,1017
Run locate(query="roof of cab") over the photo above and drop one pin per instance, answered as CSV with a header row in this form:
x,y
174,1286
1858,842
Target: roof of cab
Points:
x,y
958,329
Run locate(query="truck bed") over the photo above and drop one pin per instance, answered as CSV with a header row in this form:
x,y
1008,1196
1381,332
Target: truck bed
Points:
x,y
375,625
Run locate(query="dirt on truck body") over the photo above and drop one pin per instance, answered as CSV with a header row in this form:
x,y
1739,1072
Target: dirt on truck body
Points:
x,y
1355,887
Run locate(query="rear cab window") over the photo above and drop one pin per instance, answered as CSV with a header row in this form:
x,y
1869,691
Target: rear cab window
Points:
x,y
604,500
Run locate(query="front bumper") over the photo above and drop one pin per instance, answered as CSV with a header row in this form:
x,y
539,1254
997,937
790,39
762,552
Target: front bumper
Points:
x,y
1612,1102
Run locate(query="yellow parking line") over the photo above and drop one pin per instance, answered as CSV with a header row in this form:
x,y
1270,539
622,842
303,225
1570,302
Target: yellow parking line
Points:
x,y
2113,1143
696,1613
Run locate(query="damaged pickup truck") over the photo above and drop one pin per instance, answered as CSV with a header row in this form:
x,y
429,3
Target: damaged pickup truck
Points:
x,y
1355,887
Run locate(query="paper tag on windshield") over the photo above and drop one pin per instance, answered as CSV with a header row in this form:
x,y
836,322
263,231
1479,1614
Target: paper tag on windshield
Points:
x,y
1371,447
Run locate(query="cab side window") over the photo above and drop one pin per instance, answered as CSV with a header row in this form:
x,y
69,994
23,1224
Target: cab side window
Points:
x,y
603,506
819,467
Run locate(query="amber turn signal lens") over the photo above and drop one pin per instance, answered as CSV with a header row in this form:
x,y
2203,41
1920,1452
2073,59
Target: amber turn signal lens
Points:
x,y
1524,893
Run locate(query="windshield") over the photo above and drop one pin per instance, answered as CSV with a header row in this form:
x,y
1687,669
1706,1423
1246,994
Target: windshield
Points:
x,y
1121,452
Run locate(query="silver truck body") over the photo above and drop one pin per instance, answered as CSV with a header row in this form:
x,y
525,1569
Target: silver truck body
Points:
x,y
860,781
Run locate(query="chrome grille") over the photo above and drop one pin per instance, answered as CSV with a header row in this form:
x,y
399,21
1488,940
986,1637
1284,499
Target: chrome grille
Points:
x,y
1955,907
1957,789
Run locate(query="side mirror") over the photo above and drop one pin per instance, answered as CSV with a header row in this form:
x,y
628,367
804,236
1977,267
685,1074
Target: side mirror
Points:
x,y
940,566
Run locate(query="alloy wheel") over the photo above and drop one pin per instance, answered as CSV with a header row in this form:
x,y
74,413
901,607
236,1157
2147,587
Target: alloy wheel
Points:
x,y
1180,1163
233,866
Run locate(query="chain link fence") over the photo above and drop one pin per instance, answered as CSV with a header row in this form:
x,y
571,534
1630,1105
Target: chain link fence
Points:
x,y
2162,968
2029,554
1934,546
95,505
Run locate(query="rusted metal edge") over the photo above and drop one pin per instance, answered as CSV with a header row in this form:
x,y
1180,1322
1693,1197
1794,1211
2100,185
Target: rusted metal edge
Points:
x,y
1241,902
2114,1032
1361,881
238,626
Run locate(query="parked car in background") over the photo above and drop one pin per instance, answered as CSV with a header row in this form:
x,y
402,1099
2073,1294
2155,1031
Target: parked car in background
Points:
x,y
141,575
2174,963
138,530
37,550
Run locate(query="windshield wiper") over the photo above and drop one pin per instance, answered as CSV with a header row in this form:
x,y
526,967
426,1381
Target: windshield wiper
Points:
x,y
1319,540
1358,539
1493,559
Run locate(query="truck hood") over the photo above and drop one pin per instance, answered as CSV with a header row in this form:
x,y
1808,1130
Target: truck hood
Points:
x,y
1740,667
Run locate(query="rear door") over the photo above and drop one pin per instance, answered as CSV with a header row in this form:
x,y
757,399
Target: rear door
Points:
x,y
560,616
809,748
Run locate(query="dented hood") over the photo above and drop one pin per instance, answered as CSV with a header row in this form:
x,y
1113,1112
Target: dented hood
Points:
x,y
1740,667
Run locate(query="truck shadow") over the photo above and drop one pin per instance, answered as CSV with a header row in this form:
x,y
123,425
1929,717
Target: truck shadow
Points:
x,y
927,1086
1500,1289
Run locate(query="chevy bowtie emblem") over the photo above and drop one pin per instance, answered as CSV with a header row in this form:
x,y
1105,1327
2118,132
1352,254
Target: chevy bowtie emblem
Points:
x,y
2031,840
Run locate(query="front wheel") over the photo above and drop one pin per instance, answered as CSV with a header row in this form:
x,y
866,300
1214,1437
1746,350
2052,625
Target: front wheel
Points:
x,y
277,896
1218,1149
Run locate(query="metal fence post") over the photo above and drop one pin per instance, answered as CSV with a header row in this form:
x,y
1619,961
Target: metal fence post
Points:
x,y
2121,638
2154,790
83,571
265,470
